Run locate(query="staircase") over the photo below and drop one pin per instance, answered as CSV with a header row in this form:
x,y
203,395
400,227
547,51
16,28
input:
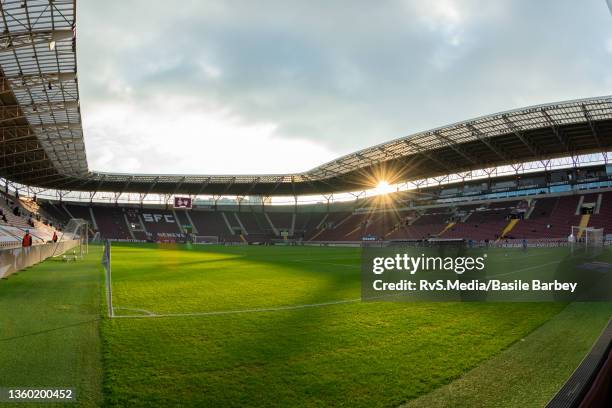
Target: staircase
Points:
x,y
179,224
447,227
193,226
93,218
509,228
227,223
67,212
530,209
319,232
129,227
274,229
241,225
584,221
466,216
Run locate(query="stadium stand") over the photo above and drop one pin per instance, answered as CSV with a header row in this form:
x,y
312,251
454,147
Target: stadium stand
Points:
x,y
20,214
160,225
541,216
253,231
54,211
183,220
337,226
552,217
482,223
111,223
263,223
213,223
281,221
83,212
602,218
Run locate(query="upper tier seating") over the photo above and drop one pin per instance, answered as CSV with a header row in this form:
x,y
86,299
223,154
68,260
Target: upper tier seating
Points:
x,y
111,223
481,224
281,221
211,223
160,223
330,230
604,218
552,217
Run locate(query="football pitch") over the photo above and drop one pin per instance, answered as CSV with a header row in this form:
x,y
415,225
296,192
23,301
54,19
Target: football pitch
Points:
x,y
280,326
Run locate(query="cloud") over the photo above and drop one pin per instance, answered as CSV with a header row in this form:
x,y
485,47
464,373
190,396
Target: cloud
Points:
x,y
286,85
172,135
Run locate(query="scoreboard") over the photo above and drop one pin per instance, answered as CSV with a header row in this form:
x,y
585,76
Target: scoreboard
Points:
x,y
182,202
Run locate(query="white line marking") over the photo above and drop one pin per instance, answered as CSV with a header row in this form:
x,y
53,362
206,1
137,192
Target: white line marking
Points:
x,y
146,312
326,263
524,269
511,258
227,312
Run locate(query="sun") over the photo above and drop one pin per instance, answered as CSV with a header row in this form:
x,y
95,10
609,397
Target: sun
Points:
x,y
383,187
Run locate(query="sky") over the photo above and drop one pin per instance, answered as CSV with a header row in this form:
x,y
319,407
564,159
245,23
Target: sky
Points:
x,y
277,86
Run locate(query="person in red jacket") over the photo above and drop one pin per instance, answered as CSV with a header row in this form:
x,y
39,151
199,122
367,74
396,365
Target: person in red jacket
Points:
x,y
54,237
26,242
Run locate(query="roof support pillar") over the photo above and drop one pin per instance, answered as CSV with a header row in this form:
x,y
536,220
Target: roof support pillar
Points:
x,y
328,198
167,200
215,199
418,184
141,198
489,172
263,202
116,196
239,199
440,180
546,164
359,194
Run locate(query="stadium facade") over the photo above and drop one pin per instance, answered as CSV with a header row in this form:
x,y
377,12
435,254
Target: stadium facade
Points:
x,y
525,173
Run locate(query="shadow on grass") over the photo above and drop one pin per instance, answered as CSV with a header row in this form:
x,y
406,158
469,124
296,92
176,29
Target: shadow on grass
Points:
x,y
68,326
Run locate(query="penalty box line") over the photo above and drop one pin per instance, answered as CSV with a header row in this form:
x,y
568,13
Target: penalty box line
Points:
x,y
150,314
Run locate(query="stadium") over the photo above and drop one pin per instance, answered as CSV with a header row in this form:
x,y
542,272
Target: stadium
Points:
x,y
248,289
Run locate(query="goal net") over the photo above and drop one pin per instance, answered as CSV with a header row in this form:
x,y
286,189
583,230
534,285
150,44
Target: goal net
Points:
x,y
588,236
76,229
205,239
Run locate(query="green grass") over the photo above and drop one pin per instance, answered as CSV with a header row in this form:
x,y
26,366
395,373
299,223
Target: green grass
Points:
x,y
352,354
49,328
533,369
356,354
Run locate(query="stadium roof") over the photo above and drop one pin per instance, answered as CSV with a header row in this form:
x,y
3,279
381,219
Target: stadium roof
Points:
x,y
42,137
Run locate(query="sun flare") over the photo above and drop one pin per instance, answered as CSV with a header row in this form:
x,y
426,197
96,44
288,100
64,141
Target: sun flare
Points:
x,y
383,187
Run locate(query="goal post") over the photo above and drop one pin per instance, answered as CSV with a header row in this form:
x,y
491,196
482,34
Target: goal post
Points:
x,y
106,262
76,229
589,236
205,239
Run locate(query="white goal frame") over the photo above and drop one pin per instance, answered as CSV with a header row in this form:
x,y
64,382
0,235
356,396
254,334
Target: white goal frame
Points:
x,y
205,239
589,236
